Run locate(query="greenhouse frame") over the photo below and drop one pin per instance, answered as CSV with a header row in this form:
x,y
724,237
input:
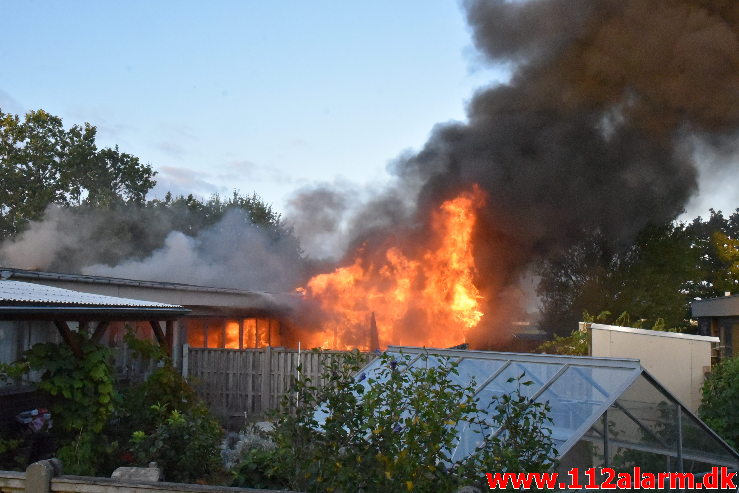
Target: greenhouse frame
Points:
x,y
605,412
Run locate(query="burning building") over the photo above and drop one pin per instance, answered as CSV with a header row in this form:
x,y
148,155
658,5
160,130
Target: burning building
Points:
x,y
212,317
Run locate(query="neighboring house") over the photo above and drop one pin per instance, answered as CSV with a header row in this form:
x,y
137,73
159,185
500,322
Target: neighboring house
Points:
x,y
719,317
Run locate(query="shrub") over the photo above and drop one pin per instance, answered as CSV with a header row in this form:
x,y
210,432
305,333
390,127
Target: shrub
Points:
x,y
720,397
395,430
184,446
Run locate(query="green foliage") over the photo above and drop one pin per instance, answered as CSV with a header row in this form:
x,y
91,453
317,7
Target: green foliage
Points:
x,y
81,389
524,444
10,457
185,446
395,430
720,397
256,469
651,280
81,395
142,348
97,426
576,344
43,163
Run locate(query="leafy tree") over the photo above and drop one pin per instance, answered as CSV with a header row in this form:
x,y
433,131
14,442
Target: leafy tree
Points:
x,y
43,163
648,280
575,344
716,241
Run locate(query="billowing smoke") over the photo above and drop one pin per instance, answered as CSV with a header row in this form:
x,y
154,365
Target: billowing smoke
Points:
x,y
596,130
232,253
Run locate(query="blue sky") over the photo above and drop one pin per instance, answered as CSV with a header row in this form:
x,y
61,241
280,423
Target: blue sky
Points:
x,y
258,96
255,96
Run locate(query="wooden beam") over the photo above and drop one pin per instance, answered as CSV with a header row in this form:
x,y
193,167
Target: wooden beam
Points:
x,y
169,334
160,336
68,337
99,331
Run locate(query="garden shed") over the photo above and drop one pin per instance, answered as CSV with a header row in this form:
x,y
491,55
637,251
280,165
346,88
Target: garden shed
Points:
x,y
605,412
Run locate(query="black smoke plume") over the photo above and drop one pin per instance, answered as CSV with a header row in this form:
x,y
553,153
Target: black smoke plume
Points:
x,y
596,129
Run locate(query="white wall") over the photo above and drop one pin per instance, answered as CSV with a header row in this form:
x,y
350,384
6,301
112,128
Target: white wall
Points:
x,y
677,361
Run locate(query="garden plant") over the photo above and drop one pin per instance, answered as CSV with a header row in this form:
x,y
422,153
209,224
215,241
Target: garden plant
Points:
x,y
395,429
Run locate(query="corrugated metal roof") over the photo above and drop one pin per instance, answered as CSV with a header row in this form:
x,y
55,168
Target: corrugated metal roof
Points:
x,y
26,292
12,272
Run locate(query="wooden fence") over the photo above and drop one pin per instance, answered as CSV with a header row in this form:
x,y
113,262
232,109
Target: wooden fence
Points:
x,y
249,382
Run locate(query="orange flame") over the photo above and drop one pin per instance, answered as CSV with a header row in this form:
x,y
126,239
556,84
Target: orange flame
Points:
x,y
424,298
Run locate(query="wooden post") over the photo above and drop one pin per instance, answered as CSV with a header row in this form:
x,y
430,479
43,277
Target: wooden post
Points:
x,y
68,338
266,378
160,336
185,360
169,334
99,331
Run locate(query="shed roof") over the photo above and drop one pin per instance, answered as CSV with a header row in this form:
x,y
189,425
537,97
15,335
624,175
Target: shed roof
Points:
x,y
28,300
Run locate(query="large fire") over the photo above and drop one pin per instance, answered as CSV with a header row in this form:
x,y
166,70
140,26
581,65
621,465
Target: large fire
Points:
x,y
407,294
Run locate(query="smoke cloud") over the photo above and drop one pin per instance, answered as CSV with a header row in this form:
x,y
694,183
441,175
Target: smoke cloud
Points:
x,y
596,130
233,253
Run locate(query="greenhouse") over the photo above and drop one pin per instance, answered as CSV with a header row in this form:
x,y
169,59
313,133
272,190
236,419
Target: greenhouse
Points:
x,y
605,412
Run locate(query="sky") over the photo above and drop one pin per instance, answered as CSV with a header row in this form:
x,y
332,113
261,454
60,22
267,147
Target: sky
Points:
x,y
255,96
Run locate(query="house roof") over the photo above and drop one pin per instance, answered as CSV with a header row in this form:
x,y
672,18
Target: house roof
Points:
x,y
723,306
8,272
28,300
202,299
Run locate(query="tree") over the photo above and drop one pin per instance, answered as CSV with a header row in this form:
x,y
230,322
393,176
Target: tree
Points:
x,y
648,279
42,163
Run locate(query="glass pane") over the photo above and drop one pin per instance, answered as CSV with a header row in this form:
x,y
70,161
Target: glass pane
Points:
x,y
700,446
585,453
470,437
431,361
643,415
250,333
579,394
626,458
477,369
536,373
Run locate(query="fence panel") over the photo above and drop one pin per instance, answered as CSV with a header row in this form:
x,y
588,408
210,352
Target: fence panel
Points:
x,y
250,382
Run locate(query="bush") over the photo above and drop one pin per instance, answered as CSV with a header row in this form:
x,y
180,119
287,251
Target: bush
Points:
x,y
184,446
720,398
100,427
395,430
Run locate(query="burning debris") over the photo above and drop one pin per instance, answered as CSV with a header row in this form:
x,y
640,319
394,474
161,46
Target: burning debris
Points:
x,y
421,285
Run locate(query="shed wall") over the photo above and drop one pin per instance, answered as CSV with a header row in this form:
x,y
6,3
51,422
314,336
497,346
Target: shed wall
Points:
x,y
678,363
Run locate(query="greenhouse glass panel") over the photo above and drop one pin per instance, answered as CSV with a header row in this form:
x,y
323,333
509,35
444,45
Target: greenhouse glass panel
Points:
x,y
579,396
585,453
431,361
700,446
604,411
644,415
536,373
477,369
